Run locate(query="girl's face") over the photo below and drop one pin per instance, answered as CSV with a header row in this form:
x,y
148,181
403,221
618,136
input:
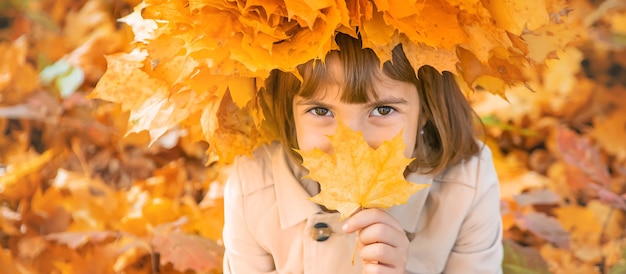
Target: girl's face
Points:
x,y
381,119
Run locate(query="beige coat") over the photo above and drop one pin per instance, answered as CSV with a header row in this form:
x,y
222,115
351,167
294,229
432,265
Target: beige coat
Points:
x,y
455,223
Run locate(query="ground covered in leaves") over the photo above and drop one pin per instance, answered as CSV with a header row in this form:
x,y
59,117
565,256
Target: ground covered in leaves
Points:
x,y
74,187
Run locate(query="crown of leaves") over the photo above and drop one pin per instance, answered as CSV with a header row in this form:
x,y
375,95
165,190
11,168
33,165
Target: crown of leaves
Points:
x,y
198,64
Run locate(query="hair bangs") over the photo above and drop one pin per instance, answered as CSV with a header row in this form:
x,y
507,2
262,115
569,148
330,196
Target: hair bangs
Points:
x,y
360,70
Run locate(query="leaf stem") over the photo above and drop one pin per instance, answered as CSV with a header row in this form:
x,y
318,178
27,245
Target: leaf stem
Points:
x,y
356,246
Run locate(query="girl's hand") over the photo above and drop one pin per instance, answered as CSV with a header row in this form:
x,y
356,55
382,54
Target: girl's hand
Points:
x,y
383,243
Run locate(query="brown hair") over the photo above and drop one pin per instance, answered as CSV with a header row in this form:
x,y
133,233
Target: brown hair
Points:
x,y
445,115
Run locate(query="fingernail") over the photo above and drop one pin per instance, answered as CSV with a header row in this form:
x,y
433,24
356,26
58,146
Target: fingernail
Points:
x,y
345,227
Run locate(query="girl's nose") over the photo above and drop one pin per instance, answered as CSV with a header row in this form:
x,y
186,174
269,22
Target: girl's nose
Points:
x,y
354,123
360,125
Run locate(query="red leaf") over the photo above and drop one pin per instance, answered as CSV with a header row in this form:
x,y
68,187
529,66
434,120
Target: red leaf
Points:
x,y
188,252
578,151
546,227
609,198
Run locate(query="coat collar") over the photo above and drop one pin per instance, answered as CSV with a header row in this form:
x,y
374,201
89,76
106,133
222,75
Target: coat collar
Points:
x,y
408,214
291,198
294,205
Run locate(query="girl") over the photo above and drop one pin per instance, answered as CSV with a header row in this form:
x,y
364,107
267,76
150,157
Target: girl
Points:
x,y
453,226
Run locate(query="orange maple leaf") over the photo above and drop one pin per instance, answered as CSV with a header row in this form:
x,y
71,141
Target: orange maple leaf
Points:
x,y
358,176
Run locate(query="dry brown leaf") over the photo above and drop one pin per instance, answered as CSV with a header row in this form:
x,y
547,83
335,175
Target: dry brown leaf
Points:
x,y
186,251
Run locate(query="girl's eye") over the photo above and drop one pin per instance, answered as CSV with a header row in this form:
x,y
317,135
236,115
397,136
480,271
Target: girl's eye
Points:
x,y
319,111
382,111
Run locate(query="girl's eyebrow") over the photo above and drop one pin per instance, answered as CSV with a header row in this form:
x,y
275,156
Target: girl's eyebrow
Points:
x,y
387,101
380,102
312,102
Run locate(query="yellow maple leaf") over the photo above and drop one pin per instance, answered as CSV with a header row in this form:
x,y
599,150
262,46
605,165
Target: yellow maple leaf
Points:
x,y
608,135
358,176
19,78
516,15
542,42
16,184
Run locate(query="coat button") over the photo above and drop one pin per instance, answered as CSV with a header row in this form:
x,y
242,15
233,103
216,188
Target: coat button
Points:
x,y
321,232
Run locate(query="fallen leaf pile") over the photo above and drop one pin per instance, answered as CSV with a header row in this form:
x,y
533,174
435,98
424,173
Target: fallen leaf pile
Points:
x,y
560,154
90,186
75,195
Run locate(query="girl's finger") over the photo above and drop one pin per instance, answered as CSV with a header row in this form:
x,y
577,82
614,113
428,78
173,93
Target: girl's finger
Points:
x,y
381,233
368,217
374,268
378,269
382,254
